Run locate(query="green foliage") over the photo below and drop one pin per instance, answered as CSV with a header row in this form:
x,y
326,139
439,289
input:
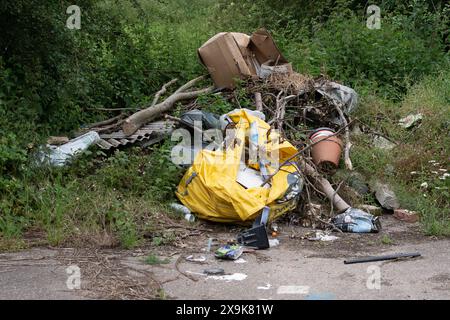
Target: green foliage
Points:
x,y
138,174
153,259
385,239
215,104
163,238
111,195
331,38
53,79
422,153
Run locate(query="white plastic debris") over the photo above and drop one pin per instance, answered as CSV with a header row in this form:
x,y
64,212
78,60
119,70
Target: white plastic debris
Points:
x,y
267,70
322,236
208,246
266,287
240,260
293,290
192,258
229,277
410,120
273,242
444,176
59,156
183,210
340,95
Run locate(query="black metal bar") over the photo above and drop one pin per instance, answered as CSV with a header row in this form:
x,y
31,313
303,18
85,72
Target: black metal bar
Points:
x,y
382,258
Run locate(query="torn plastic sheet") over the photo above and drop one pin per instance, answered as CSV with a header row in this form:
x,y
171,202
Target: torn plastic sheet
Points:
x,y
358,221
344,97
210,187
207,119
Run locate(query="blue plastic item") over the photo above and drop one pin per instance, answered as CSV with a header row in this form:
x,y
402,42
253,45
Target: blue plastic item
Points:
x,y
358,221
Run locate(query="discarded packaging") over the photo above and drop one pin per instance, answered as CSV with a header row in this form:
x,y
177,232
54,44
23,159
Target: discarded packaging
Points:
x,y
340,95
225,119
406,215
193,258
61,155
410,121
273,242
231,55
386,197
358,221
206,119
183,210
269,68
230,252
322,236
326,150
210,187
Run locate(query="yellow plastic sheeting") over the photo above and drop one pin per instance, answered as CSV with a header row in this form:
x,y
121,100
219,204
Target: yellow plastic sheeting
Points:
x,y
209,187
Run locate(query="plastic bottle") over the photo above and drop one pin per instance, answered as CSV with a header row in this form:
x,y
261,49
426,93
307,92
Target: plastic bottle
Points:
x,y
253,143
183,210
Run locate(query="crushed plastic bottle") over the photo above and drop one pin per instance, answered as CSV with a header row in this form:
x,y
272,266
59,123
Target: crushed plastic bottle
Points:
x,y
253,142
183,210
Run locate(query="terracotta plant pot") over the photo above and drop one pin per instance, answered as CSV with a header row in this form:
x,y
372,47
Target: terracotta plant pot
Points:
x,y
327,152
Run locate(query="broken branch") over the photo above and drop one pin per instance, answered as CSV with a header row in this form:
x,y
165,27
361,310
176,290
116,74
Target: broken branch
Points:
x,y
136,120
162,91
258,101
348,144
326,187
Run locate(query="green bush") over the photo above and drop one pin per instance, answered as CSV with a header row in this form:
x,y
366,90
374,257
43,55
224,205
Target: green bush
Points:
x,y
53,79
331,37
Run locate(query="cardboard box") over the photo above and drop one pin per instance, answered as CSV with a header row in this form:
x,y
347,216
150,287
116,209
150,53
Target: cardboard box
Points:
x,y
231,55
264,48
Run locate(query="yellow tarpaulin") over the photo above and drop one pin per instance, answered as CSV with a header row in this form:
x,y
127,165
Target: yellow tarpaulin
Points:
x,y
210,188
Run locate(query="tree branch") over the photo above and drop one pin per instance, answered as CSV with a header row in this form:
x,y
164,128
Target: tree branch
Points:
x,y
162,91
348,144
136,120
